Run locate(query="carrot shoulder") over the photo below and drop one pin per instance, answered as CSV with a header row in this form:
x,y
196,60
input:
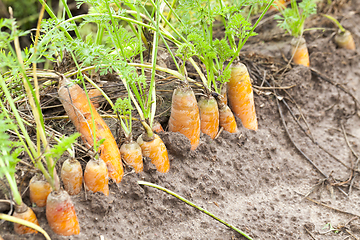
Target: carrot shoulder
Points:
x,y
299,51
39,190
155,149
131,153
241,97
96,177
25,213
71,175
75,103
185,116
209,116
345,40
60,214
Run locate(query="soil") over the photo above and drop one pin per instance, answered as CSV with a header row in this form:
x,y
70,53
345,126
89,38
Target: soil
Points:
x,y
256,181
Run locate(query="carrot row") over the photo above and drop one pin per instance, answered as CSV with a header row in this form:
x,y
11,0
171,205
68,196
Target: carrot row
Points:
x,y
75,103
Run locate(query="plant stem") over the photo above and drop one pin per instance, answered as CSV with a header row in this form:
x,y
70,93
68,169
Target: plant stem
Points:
x,y
25,223
193,205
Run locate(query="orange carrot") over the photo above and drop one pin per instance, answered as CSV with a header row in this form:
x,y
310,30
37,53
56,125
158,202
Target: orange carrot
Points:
x,y
278,4
154,148
25,213
132,155
240,96
345,40
299,51
95,97
60,214
227,119
76,106
39,190
184,116
96,176
157,127
71,175
209,116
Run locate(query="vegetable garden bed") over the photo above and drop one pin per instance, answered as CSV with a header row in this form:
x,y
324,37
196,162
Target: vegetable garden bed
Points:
x,y
290,179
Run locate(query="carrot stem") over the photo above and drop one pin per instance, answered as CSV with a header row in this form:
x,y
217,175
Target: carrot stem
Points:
x,y
342,29
25,223
193,205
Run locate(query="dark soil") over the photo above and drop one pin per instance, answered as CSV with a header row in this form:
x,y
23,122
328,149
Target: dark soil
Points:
x,y
253,180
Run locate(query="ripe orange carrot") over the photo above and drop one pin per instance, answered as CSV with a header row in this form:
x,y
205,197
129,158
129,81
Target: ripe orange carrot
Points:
x,y
279,4
209,116
345,40
132,155
299,51
39,190
157,127
154,148
25,213
60,214
76,106
240,96
96,176
71,175
184,116
227,119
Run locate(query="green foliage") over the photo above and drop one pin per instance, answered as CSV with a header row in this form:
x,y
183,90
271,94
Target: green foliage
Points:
x,y
9,150
293,18
123,106
239,27
63,144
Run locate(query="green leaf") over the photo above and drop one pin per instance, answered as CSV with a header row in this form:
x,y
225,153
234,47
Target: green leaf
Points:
x,y
64,144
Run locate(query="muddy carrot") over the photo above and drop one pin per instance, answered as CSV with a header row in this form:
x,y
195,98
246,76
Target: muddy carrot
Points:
x,y
299,51
39,190
96,176
209,116
76,106
345,40
157,127
240,96
60,214
71,175
131,153
184,116
24,212
154,148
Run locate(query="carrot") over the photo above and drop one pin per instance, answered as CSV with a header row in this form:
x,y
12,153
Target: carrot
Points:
x,y
300,52
96,176
95,97
184,116
39,190
209,116
223,93
227,119
76,106
157,127
345,40
154,148
24,212
60,214
278,4
71,175
240,96
132,155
